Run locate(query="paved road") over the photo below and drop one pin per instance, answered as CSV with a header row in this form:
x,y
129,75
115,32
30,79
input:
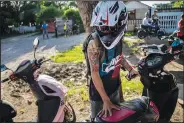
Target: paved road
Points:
x,y
13,48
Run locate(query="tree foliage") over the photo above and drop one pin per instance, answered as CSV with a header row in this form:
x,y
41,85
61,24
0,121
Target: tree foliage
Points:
x,y
178,3
27,13
73,14
174,4
48,12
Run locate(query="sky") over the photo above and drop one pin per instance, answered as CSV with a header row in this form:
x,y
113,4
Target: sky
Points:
x,y
150,3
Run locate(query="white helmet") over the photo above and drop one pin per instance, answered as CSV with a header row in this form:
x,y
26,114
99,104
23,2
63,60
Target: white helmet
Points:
x,y
110,19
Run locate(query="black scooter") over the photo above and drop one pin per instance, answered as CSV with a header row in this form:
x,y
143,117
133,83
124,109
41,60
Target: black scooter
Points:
x,y
159,96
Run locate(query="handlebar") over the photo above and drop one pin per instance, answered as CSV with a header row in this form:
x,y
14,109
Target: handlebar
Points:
x,y
130,76
4,80
38,63
41,61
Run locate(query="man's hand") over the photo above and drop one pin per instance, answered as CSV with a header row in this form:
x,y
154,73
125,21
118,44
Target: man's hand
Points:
x,y
107,108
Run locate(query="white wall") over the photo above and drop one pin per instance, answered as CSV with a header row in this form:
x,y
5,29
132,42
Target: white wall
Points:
x,y
140,13
141,9
135,5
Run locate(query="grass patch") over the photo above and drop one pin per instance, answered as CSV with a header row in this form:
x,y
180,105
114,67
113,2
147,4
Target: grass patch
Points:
x,y
81,91
129,34
132,86
129,43
132,45
74,55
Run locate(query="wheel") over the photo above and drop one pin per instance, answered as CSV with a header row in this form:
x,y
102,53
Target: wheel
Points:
x,y
69,114
160,34
141,34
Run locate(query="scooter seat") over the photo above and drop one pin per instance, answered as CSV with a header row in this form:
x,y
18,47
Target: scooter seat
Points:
x,y
131,111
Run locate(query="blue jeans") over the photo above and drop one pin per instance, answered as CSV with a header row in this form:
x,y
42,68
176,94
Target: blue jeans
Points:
x,y
45,33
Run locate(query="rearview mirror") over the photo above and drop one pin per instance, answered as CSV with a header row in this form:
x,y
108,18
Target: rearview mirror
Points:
x,y
36,43
3,68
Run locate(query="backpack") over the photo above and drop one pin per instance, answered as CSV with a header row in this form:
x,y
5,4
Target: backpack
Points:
x,y
94,36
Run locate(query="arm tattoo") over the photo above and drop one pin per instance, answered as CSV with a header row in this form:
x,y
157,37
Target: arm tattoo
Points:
x,y
93,56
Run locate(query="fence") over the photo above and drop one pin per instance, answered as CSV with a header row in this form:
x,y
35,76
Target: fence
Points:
x,y
23,29
169,20
133,23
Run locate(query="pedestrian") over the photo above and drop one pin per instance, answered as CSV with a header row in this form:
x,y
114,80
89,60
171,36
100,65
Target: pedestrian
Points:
x,y
56,29
44,28
65,28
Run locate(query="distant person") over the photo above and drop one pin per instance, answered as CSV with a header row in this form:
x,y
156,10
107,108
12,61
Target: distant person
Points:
x,y
44,27
146,22
55,29
180,33
65,28
155,18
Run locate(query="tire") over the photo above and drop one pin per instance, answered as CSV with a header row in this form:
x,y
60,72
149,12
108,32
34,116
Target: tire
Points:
x,y
141,34
69,112
160,33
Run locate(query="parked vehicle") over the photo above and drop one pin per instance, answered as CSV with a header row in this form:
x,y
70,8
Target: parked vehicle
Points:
x,y
48,91
159,97
155,31
174,43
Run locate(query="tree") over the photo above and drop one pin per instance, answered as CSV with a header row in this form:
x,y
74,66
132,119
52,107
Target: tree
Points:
x,y
86,9
73,14
178,3
6,16
48,12
72,4
28,12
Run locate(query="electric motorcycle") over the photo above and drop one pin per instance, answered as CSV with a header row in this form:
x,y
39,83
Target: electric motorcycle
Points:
x,y
159,96
48,91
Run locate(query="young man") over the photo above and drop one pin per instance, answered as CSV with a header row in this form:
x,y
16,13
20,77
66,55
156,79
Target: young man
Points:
x,y
180,33
44,27
109,20
146,22
155,17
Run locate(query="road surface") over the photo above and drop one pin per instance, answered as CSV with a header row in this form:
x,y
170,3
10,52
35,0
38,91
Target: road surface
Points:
x,y
13,49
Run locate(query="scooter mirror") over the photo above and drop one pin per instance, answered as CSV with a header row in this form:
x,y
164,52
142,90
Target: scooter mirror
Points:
x,y
3,67
36,43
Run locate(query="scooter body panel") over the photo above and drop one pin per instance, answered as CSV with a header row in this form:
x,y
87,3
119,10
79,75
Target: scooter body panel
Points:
x,y
53,106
